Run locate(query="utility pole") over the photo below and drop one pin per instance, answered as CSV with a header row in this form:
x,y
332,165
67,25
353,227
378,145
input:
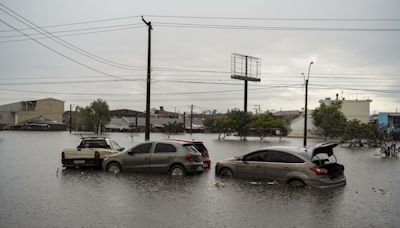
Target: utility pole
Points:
x,y
245,88
184,122
147,128
305,106
70,118
191,119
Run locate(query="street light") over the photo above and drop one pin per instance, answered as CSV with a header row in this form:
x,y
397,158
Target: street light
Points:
x,y
305,106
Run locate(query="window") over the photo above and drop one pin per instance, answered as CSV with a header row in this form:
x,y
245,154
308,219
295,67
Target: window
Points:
x,y
190,148
115,145
142,149
257,156
94,144
164,148
282,157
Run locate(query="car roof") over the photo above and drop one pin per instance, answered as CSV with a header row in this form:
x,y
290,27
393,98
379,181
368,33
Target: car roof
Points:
x,y
169,141
290,149
185,140
94,138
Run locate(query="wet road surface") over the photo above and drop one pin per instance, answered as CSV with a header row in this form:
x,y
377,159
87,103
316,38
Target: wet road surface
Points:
x,y
36,192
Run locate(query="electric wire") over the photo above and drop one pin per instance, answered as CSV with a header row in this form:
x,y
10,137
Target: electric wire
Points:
x,y
61,41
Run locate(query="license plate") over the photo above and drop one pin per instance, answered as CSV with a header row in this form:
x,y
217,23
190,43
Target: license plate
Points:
x,y
199,168
79,161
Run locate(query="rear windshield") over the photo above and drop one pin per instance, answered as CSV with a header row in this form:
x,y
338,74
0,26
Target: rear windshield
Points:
x,y
200,147
190,148
94,144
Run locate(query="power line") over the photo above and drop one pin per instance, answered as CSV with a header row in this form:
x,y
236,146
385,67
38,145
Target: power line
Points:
x,y
76,34
247,27
77,23
59,53
277,19
61,41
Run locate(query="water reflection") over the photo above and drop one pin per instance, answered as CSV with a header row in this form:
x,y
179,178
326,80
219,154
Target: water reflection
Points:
x,y
34,194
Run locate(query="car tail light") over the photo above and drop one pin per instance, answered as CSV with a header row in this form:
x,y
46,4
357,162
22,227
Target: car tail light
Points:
x,y
96,154
319,171
188,157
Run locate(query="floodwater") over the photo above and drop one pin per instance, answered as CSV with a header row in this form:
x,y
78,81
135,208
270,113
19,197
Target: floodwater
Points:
x,y
36,192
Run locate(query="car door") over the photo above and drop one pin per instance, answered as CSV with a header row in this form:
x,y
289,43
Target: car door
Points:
x,y
280,164
162,157
252,166
138,158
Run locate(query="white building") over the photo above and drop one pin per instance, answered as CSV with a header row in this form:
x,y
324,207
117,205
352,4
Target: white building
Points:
x,y
353,109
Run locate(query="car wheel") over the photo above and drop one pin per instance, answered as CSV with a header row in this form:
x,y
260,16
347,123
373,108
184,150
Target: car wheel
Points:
x,y
177,170
114,168
226,172
295,183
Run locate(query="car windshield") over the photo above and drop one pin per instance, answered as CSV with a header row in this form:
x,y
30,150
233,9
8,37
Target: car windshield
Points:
x,y
190,148
115,145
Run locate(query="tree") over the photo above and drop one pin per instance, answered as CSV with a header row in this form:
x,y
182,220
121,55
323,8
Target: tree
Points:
x,y
265,124
94,117
329,119
239,122
223,126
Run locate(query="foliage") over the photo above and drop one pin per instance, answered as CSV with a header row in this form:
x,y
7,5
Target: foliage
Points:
x,y
239,122
265,124
329,119
94,117
223,126
173,127
358,133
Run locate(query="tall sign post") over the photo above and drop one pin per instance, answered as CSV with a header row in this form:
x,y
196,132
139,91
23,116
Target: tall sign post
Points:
x,y
245,68
147,127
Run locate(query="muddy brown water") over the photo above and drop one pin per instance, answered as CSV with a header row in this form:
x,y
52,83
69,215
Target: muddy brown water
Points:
x,y
36,192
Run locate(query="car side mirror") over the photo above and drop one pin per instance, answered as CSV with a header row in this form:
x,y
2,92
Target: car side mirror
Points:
x,y
131,152
121,149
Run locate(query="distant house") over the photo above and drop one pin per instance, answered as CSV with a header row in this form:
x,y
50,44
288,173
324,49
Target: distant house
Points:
x,y
296,128
353,109
15,113
389,122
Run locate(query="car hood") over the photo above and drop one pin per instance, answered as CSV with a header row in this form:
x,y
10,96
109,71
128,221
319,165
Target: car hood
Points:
x,y
324,148
231,159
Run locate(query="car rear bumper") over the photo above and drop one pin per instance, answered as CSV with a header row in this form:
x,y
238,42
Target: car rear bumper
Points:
x,y
328,183
194,168
82,162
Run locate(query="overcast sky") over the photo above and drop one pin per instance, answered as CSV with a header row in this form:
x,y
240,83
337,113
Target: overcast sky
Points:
x,y
99,50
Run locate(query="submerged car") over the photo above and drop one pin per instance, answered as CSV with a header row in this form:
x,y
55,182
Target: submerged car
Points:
x,y
173,157
200,147
295,166
90,152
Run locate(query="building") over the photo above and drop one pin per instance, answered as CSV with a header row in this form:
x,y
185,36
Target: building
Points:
x,y
389,122
15,113
353,109
296,128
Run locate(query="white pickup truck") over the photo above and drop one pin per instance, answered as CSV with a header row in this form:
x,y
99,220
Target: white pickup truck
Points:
x,y
90,152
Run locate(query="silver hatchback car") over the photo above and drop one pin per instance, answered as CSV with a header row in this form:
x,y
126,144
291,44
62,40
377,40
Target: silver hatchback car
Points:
x,y
295,166
175,158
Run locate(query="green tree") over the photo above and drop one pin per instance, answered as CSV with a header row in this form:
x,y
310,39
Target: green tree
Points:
x,y
265,124
239,121
329,119
223,126
94,117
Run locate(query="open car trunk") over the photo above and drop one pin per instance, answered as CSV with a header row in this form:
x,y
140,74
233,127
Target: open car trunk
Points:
x,y
323,157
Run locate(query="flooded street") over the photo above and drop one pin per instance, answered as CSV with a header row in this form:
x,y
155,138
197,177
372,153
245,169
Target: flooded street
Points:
x,y
36,192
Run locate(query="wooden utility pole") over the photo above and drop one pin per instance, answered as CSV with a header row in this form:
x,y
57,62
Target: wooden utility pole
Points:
x,y
147,128
191,119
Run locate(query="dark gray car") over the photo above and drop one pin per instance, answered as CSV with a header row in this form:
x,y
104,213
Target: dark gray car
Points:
x,y
292,165
175,158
